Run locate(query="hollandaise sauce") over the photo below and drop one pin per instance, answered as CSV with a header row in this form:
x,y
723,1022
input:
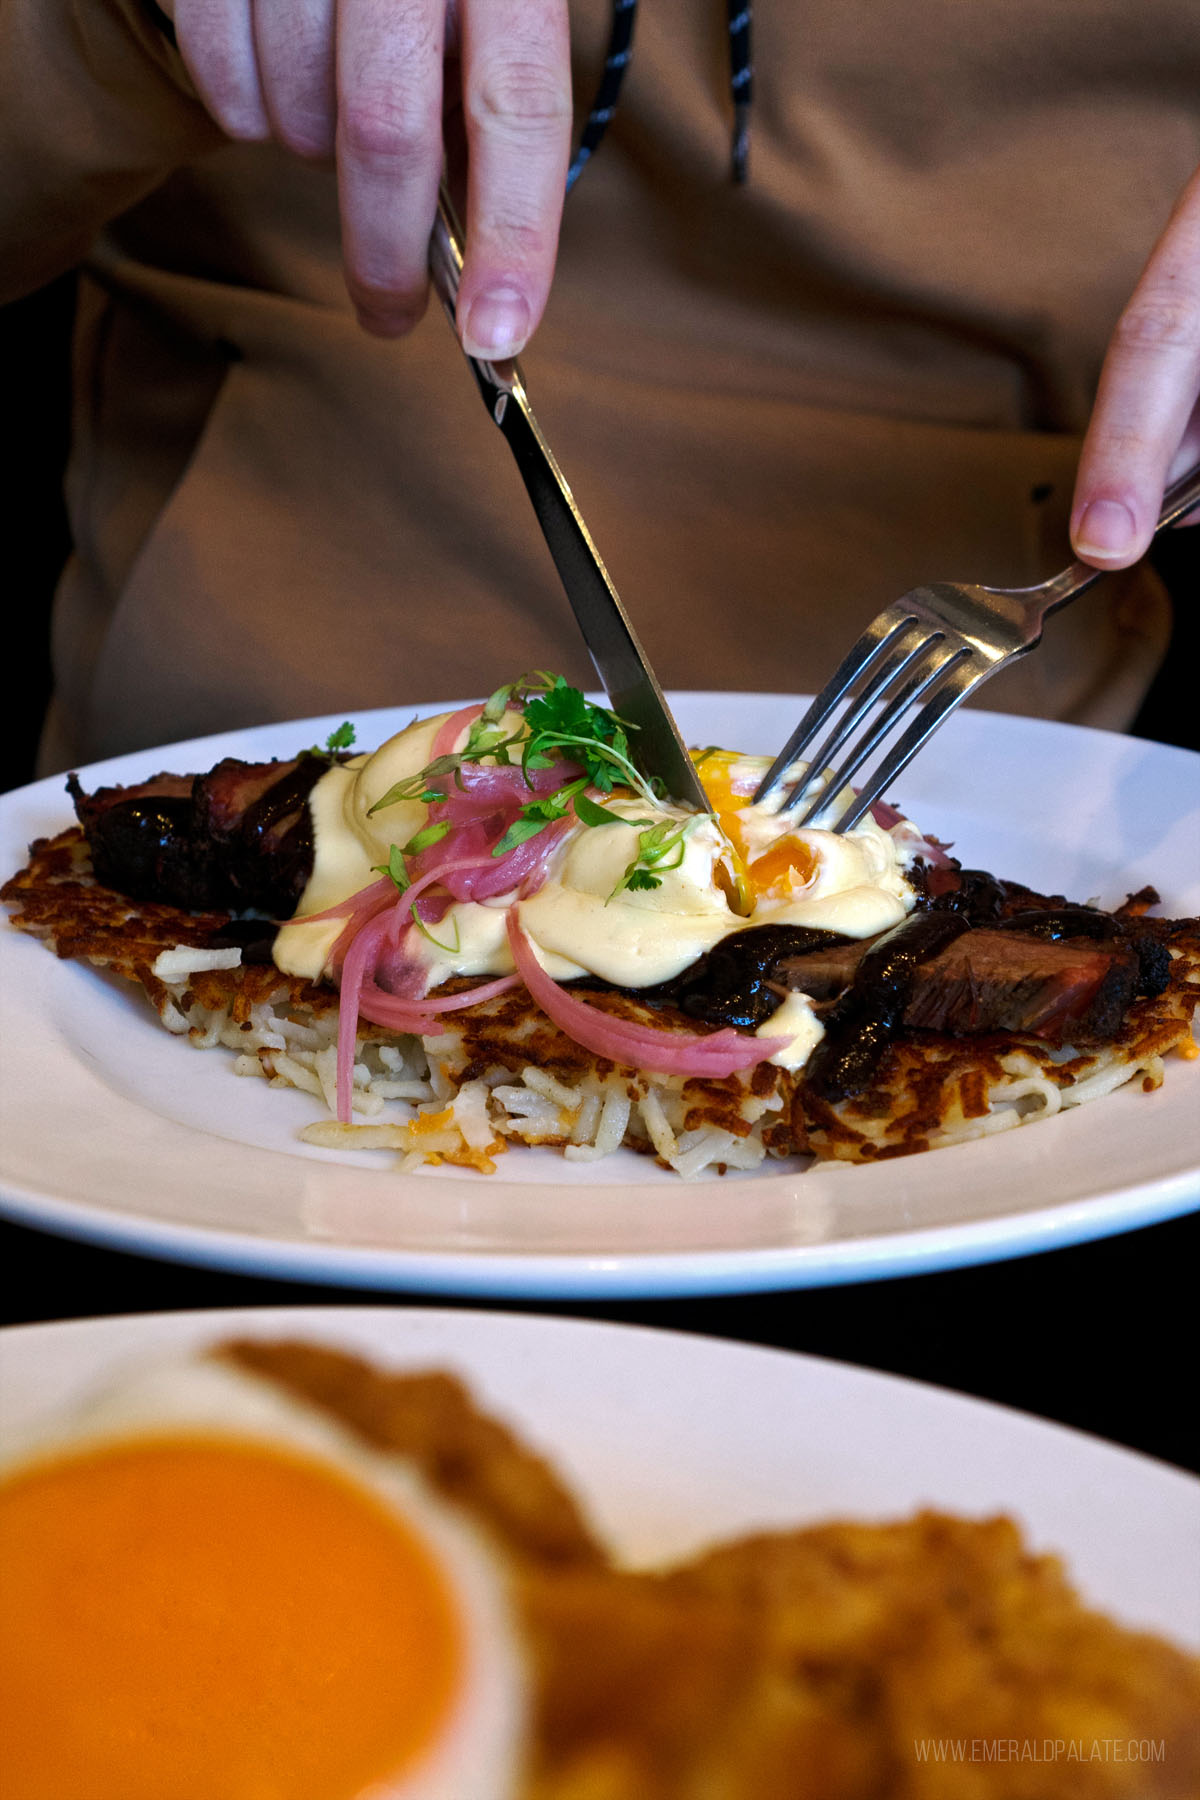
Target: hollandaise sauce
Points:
x,y
516,841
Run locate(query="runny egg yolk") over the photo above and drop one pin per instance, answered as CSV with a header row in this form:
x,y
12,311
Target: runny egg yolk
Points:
x,y
786,867
790,863
191,1618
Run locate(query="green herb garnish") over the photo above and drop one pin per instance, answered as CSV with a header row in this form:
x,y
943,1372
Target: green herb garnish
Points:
x,y
660,849
432,834
395,870
341,739
591,814
538,814
558,721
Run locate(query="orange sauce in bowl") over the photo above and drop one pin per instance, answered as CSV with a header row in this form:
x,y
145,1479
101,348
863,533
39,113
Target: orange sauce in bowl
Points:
x,y
186,1618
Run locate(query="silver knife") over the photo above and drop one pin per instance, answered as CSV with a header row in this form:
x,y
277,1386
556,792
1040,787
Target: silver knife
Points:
x,y
612,642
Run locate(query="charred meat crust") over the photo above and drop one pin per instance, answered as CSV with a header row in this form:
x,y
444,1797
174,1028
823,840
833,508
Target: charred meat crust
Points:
x,y
238,837
980,955
864,1019
736,982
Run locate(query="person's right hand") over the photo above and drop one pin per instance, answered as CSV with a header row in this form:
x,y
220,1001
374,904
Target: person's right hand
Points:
x,y
362,81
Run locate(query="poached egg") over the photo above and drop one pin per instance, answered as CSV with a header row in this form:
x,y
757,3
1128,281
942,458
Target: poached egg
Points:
x,y
743,865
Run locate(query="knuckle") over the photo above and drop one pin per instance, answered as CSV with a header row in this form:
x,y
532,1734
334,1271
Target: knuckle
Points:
x,y
382,126
1159,322
522,97
519,240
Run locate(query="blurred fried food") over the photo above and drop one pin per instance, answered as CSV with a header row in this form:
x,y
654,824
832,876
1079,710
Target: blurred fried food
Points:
x,y
932,1658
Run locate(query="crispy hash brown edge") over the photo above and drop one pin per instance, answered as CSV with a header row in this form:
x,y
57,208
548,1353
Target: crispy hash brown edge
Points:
x,y
929,1090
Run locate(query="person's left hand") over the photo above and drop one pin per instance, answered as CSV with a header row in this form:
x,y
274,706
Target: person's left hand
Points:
x,y
1145,426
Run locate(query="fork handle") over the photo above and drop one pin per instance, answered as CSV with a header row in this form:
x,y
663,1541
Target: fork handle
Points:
x,y
1180,499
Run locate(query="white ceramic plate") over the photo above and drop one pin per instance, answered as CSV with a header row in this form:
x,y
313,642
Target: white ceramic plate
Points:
x,y
674,1441
118,1133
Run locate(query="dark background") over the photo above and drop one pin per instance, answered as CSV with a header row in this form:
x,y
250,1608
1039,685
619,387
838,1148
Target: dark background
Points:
x,y
1100,1336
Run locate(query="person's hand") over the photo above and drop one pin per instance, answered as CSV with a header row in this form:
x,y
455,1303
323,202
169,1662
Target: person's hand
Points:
x,y
1145,426
375,84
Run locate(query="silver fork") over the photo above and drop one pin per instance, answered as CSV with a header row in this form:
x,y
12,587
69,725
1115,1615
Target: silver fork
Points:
x,y
935,646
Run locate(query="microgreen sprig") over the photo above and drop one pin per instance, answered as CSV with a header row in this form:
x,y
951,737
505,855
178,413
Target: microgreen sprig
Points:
x,y
660,848
535,817
557,721
394,868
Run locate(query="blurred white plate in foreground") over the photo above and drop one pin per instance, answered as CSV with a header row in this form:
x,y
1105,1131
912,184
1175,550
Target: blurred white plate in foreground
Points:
x,y
673,1441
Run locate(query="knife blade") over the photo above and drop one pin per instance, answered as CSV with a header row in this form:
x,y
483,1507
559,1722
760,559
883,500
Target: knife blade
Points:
x,y
612,643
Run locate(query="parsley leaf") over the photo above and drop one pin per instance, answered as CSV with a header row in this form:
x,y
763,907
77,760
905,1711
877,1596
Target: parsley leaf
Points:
x,y
560,718
591,814
535,817
341,739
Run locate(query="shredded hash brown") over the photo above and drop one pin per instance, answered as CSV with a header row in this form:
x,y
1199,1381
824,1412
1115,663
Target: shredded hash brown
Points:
x,y
524,1079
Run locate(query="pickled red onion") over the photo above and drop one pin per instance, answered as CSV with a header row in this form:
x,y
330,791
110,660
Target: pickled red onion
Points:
x,y
637,1046
448,731
480,806
365,942
420,1016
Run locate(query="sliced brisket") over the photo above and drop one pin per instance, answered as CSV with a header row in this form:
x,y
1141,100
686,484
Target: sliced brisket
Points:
x,y
256,817
238,838
1007,981
143,843
735,983
995,980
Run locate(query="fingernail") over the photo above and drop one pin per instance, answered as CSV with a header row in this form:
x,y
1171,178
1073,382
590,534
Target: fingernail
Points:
x,y
496,325
1106,529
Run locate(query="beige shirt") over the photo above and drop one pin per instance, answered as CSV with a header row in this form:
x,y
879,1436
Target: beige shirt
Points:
x,y
779,405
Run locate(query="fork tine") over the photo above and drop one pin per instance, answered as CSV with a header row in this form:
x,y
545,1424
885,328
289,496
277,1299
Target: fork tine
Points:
x,y
920,681
900,662
960,681
881,635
